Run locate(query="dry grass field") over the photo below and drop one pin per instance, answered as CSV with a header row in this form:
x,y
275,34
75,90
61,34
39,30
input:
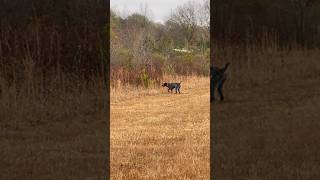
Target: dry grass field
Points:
x,y
269,132
268,126
57,136
161,135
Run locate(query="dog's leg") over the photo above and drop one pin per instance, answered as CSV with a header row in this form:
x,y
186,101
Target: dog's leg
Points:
x,y
220,86
212,89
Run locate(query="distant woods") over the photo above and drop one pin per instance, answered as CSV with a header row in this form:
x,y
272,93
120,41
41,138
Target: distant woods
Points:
x,y
142,51
285,23
48,38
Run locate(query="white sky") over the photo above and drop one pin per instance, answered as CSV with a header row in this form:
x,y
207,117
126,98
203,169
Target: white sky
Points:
x,y
160,9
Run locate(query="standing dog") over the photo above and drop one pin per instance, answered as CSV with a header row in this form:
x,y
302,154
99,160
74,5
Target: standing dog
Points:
x,y
172,86
217,79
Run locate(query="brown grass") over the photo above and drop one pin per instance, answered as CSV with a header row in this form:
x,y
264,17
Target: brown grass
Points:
x,y
268,126
57,133
159,135
256,66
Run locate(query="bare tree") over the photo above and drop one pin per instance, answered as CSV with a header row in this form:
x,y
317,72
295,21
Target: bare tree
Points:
x,y
204,24
204,14
185,17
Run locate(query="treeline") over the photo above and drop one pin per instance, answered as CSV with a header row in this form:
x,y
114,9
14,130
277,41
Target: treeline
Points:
x,y
142,51
259,22
47,38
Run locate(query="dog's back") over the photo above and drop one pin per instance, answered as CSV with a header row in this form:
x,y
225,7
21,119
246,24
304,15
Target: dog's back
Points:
x,y
218,73
174,85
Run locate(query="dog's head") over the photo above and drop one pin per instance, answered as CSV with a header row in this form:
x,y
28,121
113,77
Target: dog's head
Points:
x,y
164,84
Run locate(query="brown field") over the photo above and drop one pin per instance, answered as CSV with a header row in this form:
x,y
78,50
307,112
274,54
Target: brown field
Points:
x,y
159,135
52,136
268,126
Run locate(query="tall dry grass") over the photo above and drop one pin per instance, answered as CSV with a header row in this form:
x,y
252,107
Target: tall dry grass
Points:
x,y
38,99
51,127
120,91
257,65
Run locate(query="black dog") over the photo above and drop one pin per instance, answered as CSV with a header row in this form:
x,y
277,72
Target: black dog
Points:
x,y
172,86
217,79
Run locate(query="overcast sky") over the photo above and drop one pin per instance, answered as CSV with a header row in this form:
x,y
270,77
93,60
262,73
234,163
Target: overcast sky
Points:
x,y
160,9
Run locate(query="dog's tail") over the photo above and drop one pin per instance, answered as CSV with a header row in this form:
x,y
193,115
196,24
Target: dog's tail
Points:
x,y
225,67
